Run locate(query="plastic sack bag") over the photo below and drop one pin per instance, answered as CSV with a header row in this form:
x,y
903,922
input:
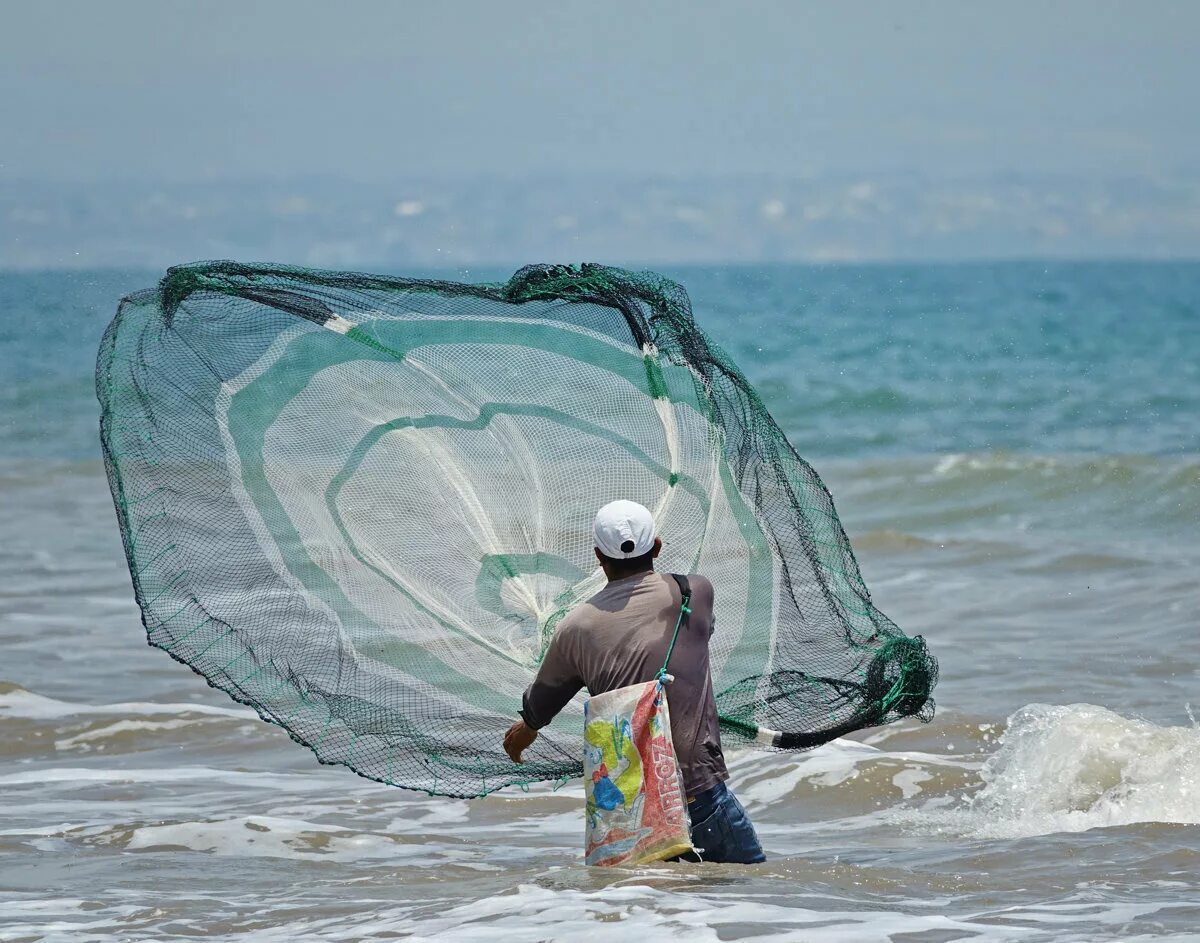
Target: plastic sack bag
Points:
x,y
635,808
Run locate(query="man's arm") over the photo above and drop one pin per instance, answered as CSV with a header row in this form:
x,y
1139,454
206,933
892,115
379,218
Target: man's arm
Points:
x,y
702,599
557,681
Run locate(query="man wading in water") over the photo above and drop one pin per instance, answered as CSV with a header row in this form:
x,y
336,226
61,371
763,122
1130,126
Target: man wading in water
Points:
x,y
620,637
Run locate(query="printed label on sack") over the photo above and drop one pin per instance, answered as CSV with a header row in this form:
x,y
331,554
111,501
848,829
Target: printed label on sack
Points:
x,y
635,810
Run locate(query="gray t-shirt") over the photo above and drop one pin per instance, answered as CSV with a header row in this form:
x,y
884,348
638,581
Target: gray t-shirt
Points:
x,y
620,637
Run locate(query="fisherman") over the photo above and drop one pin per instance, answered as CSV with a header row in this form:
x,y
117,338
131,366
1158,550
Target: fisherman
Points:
x,y
620,637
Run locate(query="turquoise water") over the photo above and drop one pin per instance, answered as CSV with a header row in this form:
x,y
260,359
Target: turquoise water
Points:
x,y
852,361
1015,452
912,360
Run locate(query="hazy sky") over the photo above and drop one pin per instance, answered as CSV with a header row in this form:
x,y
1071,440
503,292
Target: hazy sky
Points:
x,y
376,89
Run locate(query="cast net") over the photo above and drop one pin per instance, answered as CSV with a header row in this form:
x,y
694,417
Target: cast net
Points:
x,y
361,505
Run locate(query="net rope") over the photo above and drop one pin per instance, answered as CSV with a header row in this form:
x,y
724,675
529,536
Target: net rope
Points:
x,y
362,504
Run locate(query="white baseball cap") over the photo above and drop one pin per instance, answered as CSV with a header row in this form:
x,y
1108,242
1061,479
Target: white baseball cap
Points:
x,y
623,530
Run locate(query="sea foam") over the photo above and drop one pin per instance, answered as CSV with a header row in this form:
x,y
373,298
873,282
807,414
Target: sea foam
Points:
x,y
1076,767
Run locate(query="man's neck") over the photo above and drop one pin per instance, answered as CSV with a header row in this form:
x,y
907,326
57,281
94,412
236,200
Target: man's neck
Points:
x,y
616,578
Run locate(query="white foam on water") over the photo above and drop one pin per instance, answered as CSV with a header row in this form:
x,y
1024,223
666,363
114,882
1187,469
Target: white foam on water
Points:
x,y
80,777
532,913
64,920
1078,767
276,837
30,706
86,739
421,816
908,781
762,779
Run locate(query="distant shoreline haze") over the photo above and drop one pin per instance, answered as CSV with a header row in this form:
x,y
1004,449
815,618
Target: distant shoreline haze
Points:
x,y
458,222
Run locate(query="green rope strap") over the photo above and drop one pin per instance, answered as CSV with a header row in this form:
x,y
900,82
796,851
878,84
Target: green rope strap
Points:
x,y
684,612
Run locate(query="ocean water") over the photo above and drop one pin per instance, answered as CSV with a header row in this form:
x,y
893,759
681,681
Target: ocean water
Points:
x,y
1014,450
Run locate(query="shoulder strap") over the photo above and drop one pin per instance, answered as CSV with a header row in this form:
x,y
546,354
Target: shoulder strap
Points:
x,y
685,591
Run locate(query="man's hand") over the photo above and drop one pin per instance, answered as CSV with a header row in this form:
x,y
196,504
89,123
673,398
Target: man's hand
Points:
x,y
520,735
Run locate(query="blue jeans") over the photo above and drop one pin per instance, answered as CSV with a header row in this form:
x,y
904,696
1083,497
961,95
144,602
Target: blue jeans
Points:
x,y
721,831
